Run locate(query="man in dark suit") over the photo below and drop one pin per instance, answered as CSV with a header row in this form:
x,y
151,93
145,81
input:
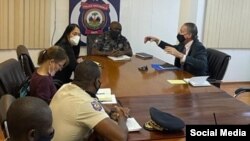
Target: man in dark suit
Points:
x,y
190,54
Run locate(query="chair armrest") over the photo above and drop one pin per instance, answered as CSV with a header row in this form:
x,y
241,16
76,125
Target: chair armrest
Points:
x,y
214,81
240,91
5,102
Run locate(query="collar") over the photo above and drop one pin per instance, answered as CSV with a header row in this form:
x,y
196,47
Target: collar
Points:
x,y
188,46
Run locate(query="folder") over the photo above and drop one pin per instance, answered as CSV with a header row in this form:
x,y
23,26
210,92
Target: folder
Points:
x,y
165,66
120,58
133,125
198,81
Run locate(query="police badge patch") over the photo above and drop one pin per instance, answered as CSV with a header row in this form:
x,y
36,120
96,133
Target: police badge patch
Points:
x,y
96,105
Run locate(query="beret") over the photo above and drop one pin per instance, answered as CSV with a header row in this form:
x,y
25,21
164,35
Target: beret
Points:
x,y
162,121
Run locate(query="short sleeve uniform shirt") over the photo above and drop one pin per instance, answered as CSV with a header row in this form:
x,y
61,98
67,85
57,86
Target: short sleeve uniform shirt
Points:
x,y
75,113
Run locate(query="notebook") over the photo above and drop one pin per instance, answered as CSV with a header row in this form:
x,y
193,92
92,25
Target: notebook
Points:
x,y
104,94
133,125
198,81
165,66
144,55
112,101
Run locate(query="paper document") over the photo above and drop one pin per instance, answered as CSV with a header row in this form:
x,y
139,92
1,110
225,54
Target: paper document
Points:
x,y
104,97
104,94
97,63
198,81
177,81
119,58
113,100
104,91
133,125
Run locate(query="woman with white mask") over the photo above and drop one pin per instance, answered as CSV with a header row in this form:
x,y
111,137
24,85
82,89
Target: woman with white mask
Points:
x,y
69,41
50,61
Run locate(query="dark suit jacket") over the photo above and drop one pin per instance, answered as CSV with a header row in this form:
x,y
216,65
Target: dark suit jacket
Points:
x,y
196,60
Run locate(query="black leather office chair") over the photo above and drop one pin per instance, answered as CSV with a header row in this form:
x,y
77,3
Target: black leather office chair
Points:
x,y
25,60
5,103
11,77
240,91
217,65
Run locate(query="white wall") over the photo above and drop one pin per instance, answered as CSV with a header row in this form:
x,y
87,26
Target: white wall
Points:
x,y
239,66
152,17
161,18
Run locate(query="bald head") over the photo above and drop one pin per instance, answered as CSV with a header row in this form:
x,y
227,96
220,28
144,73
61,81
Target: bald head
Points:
x,y
115,26
26,114
86,72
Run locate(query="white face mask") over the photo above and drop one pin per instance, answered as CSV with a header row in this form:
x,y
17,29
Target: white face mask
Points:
x,y
51,70
74,40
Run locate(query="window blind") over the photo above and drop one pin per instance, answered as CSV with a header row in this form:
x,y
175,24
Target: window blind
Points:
x,y
25,22
227,24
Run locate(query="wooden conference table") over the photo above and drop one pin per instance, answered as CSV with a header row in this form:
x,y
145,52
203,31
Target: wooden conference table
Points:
x,y
141,90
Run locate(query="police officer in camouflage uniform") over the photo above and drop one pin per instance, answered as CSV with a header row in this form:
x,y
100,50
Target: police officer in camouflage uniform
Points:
x,y
112,43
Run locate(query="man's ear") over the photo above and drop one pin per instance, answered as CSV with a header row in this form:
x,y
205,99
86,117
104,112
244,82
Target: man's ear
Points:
x,y
31,135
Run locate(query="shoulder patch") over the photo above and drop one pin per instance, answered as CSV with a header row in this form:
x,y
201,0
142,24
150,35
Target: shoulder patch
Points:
x,y
96,105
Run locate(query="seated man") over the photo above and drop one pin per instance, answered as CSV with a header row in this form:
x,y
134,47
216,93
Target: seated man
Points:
x,y
112,43
77,112
190,54
29,119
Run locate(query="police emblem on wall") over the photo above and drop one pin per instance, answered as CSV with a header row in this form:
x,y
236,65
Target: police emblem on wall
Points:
x,y
93,16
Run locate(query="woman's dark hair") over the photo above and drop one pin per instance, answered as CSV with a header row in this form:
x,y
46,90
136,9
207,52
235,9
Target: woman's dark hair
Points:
x,y
55,52
67,31
192,28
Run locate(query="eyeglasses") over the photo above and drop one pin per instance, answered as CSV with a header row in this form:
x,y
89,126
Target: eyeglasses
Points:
x,y
60,65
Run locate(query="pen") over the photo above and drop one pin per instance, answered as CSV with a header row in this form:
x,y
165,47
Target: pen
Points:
x,y
119,102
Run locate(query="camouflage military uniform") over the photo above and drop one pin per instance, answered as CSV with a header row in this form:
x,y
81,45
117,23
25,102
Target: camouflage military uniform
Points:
x,y
105,43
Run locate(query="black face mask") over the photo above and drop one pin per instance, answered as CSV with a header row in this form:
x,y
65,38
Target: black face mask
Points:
x,y
99,85
114,34
93,94
46,138
180,38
